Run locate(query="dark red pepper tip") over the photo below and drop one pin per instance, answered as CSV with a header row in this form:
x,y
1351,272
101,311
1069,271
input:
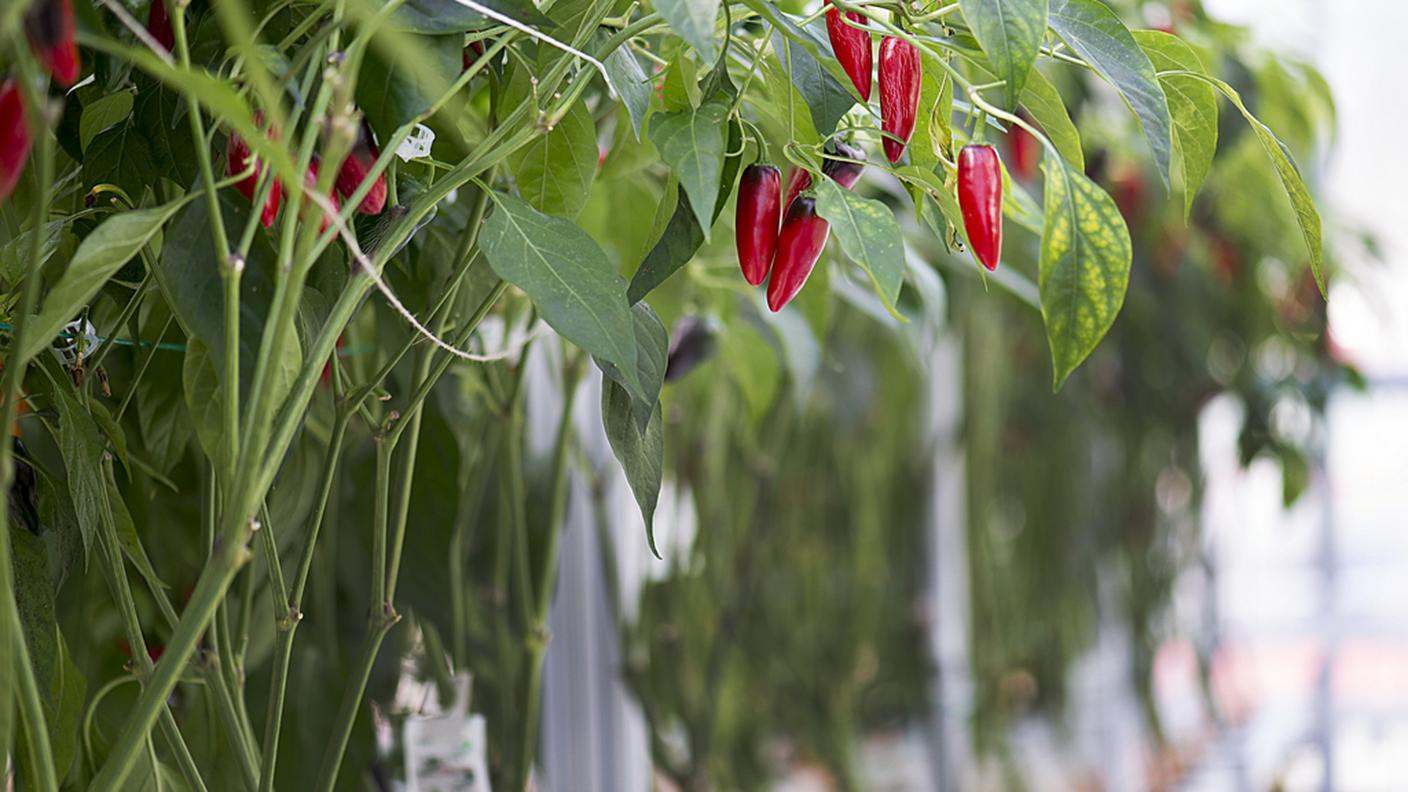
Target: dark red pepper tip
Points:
x,y
354,171
50,28
159,25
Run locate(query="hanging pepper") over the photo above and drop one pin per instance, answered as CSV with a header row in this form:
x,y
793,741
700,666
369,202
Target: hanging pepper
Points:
x,y
755,225
899,93
159,25
237,160
310,185
843,172
980,198
15,140
852,47
694,340
49,25
354,171
1025,150
799,246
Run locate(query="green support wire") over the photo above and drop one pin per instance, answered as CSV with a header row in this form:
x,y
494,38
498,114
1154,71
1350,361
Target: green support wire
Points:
x,y
169,346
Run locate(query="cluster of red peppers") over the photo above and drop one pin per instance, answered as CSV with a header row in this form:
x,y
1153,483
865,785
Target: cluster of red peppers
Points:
x,y
786,243
792,252
354,171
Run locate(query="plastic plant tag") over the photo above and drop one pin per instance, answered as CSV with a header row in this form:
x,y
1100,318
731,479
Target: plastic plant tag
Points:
x,y
447,752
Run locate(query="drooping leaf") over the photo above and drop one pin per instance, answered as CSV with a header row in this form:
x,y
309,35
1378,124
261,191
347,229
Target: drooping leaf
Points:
x,y
554,172
631,82
652,349
1048,110
869,235
81,449
567,276
1084,269
693,20
692,144
826,98
1098,36
126,530
682,235
101,254
1010,33
1306,215
641,452
1192,104
104,114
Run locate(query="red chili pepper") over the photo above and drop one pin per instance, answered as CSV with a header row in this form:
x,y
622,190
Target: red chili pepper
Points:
x,y
852,48
980,198
799,246
755,225
49,25
475,49
1025,151
310,184
159,25
900,75
843,172
15,140
354,171
237,160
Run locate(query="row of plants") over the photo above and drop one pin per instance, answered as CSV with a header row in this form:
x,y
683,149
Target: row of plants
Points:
x,y
275,272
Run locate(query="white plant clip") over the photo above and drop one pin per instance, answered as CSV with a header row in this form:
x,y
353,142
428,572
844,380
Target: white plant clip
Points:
x,y
81,337
417,144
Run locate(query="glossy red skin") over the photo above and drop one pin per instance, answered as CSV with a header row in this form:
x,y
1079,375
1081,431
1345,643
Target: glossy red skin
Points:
x,y
159,25
844,173
49,25
799,246
980,198
354,171
15,140
237,159
310,183
1025,151
852,48
900,75
755,224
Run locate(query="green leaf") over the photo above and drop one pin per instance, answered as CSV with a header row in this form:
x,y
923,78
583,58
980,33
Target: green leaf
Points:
x,y
631,82
203,399
933,131
567,276
554,172
826,98
641,452
161,117
82,450
870,236
126,530
1010,33
392,91
1084,270
1192,103
101,254
1048,110
692,144
120,156
1098,36
682,236
14,253
447,16
190,279
102,115
652,350
753,363
693,20
1306,215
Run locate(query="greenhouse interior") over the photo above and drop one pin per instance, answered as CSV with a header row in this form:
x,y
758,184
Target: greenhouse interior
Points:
x,y
703,395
